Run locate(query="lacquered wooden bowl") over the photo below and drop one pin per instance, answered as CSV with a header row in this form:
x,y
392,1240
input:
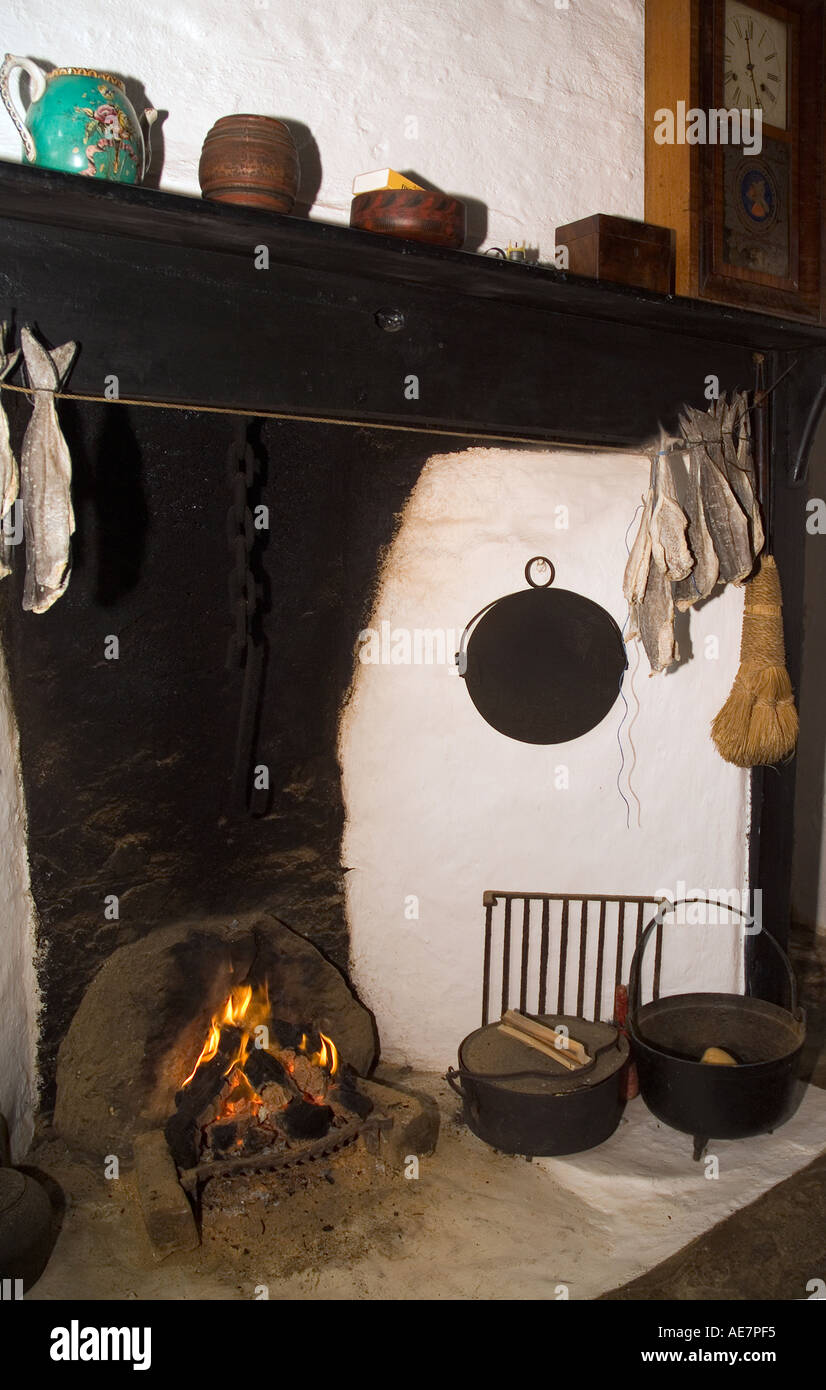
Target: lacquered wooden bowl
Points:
x,y
250,160
435,218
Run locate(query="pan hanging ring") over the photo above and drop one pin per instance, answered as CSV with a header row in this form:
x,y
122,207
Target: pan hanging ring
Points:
x,y
543,561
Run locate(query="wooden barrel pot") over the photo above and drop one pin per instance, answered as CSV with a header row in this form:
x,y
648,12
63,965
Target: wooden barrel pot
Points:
x,y
250,160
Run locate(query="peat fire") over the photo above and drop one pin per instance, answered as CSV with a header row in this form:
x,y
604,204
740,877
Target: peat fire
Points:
x,y
260,1086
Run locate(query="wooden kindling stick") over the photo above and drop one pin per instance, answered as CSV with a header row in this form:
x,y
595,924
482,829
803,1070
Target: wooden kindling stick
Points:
x,y
543,1039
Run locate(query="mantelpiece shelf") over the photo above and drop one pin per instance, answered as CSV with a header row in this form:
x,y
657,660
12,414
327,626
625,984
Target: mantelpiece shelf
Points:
x,y
64,201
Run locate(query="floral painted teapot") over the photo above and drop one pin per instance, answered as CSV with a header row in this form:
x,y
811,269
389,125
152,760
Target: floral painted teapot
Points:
x,y
79,121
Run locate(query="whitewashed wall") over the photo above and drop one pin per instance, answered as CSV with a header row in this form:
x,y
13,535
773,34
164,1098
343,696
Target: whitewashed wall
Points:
x,y
440,806
535,111
18,988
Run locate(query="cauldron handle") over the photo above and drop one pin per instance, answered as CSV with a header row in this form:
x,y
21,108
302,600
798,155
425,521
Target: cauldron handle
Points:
x,y
657,921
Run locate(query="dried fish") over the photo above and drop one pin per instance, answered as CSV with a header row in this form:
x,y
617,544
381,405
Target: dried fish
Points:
x,y
658,557
669,551
9,475
656,620
702,579
632,627
639,559
45,479
725,518
683,549
739,465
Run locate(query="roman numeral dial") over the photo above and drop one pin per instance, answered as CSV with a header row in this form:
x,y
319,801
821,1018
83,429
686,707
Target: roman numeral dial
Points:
x,y
755,63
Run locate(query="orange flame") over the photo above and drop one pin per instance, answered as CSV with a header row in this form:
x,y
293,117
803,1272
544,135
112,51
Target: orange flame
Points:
x,y
246,1011
328,1056
208,1050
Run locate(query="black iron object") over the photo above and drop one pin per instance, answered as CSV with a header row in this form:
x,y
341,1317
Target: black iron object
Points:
x,y
542,665
809,412
26,1225
331,1143
669,1036
545,1110
546,940
247,644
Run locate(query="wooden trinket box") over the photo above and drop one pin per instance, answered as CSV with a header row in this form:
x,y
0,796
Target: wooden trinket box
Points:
x,y
621,250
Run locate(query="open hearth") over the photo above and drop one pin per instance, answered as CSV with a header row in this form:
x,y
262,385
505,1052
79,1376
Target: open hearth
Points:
x,y
261,1089
166,1036
228,1062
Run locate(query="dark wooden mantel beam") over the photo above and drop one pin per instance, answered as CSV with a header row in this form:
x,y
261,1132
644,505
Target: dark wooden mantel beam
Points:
x,y
163,292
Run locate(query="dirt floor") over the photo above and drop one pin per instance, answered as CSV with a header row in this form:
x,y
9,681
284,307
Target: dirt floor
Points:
x,y
360,1231
354,1229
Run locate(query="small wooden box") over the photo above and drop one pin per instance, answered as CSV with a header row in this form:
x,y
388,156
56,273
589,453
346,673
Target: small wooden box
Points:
x,y
621,250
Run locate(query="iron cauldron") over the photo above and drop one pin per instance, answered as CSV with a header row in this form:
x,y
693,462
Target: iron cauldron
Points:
x,y
541,1108
669,1036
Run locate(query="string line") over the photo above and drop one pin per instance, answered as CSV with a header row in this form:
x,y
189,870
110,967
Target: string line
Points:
x,y
252,412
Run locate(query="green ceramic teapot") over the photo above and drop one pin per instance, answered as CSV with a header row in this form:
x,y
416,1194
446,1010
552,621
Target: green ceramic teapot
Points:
x,y
79,121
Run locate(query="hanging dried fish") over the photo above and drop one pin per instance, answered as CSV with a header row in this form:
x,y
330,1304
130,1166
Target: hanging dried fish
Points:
x,y
659,557
636,569
656,620
45,479
9,475
725,518
739,465
669,550
681,552
699,583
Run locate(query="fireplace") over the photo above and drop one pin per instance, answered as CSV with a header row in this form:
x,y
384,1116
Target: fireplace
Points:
x,y
224,1058
335,914
198,1017
248,1101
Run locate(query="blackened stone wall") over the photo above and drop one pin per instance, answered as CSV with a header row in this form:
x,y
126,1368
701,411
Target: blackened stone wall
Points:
x,y
127,762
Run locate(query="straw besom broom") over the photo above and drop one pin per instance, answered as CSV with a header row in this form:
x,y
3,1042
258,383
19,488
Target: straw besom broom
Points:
x,y
758,723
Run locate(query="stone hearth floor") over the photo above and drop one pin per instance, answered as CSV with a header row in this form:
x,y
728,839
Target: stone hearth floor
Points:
x,y
474,1215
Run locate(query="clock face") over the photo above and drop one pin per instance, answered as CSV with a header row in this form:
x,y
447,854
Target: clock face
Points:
x,y
755,63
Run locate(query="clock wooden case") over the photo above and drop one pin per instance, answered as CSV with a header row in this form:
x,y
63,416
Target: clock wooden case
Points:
x,y
748,221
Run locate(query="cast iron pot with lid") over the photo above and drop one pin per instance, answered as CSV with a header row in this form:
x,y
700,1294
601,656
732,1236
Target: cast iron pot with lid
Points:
x,y
521,1102
670,1034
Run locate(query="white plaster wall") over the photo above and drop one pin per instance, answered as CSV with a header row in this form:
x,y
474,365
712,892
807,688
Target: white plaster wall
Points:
x,y
18,987
441,806
535,111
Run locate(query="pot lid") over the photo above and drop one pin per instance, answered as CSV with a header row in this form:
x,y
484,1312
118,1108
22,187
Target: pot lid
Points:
x,y
494,1056
543,665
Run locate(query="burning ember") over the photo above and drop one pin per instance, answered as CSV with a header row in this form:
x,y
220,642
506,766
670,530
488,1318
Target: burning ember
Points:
x,y
259,1085
252,1025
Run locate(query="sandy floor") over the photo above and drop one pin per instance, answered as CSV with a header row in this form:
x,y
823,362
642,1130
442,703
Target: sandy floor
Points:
x,y
474,1224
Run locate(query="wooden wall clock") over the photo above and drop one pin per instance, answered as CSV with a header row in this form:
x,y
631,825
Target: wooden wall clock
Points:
x,y
748,218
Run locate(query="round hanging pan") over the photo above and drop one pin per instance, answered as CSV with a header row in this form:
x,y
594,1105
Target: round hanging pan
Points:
x,y
542,665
